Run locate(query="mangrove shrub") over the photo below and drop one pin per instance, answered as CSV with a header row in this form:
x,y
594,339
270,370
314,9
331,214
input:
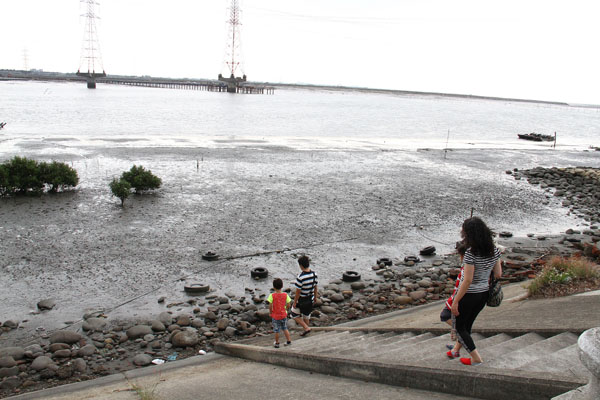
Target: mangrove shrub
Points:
x,y
141,179
21,175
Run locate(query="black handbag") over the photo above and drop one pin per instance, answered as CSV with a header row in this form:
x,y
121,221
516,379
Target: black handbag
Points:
x,y
495,293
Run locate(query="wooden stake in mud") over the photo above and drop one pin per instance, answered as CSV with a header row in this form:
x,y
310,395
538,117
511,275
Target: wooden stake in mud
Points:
x,y
447,139
554,140
472,209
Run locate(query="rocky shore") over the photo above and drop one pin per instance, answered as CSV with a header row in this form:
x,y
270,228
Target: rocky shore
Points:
x,y
100,345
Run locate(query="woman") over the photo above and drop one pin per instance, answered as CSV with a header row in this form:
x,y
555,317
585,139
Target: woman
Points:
x,y
481,259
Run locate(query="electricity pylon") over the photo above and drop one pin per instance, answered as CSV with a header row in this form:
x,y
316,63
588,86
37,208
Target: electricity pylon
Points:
x,y
233,57
90,49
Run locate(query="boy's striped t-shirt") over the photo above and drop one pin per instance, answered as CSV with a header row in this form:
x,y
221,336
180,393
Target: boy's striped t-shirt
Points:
x,y
306,282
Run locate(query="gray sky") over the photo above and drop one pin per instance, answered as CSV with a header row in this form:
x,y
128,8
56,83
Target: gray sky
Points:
x,y
546,50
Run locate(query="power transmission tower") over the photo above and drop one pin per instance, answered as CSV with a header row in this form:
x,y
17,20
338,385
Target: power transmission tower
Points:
x,y
25,60
90,49
233,57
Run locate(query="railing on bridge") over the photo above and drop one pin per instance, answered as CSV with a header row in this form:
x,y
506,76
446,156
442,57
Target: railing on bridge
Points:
x,y
187,85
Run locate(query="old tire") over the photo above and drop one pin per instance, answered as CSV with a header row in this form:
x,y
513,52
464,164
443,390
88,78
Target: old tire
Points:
x,y
210,256
350,276
414,259
196,288
259,273
427,251
384,261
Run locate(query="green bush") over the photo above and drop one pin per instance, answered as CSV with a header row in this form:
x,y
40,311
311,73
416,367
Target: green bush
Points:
x,y
21,175
121,189
141,179
58,176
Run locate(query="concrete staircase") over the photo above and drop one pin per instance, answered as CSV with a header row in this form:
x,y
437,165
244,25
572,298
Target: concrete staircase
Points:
x,y
526,366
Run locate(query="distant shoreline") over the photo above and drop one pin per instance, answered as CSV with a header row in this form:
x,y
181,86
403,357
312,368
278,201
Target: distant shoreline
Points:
x,y
60,76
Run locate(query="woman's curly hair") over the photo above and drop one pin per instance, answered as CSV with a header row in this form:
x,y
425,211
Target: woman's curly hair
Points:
x,y
478,237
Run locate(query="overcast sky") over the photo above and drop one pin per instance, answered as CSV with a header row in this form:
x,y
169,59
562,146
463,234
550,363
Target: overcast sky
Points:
x,y
546,50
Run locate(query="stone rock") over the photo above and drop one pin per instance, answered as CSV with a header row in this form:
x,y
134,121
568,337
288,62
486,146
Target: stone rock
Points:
x,y
357,285
418,294
149,338
230,331
402,300
79,365
33,350
337,297
87,350
6,372
42,362
183,320
10,383
69,337
157,326
166,318
64,353
138,331
94,324
46,304
10,324
142,360
15,352
265,315
328,309
211,316
185,338
197,323
64,371
7,362
222,324
54,347
424,283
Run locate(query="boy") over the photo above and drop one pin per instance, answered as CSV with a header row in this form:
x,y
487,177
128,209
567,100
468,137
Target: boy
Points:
x,y
446,316
306,295
279,304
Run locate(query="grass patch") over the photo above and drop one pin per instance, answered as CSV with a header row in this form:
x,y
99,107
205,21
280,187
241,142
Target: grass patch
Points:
x,y
145,393
562,272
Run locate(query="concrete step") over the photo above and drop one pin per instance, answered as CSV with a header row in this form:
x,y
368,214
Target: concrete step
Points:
x,y
519,342
384,350
357,340
563,361
321,339
520,357
376,343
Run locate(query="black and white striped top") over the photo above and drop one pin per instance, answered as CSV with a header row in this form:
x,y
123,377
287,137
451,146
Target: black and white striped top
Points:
x,y
483,269
306,282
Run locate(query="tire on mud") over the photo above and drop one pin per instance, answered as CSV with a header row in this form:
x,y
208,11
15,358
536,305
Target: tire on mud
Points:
x,y
259,273
350,276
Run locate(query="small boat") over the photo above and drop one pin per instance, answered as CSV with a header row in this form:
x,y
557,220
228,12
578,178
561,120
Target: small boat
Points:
x,y
536,137
2,124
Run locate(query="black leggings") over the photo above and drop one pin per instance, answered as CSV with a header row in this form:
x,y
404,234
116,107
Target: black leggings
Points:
x,y
469,307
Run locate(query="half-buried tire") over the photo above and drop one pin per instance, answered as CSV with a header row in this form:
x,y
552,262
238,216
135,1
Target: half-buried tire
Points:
x,y
196,288
259,273
350,276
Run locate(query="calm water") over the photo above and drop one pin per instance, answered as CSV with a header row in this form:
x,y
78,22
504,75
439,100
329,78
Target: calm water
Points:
x,y
74,118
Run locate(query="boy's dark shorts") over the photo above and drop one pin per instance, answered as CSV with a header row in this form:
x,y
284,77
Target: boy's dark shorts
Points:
x,y
446,314
305,305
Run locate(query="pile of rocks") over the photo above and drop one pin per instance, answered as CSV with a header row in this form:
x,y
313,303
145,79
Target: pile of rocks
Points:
x,y
579,187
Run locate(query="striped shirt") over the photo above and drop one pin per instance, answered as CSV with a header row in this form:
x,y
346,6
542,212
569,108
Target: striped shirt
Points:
x,y
483,269
306,282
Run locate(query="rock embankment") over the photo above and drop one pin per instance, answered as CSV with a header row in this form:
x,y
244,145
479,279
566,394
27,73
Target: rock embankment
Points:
x,y
578,187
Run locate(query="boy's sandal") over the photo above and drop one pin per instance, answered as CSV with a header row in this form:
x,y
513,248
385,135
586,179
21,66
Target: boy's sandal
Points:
x,y
304,333
451,354
276,345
